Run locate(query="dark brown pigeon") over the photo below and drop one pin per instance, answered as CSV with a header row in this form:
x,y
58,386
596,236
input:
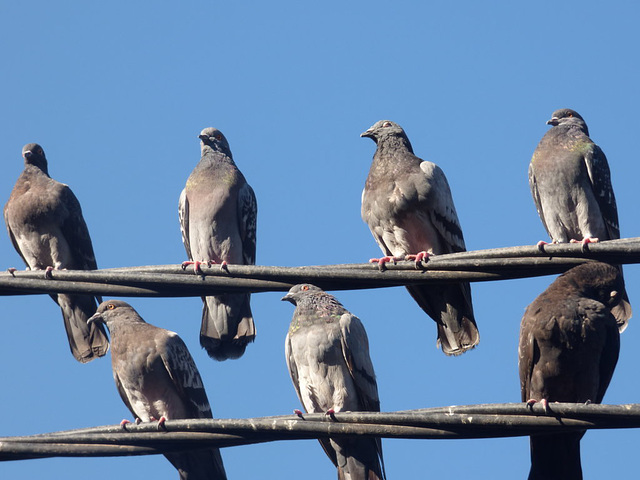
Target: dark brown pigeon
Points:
x,y
569,345
218,213
158,380
46,227
408,206
571,186
327,352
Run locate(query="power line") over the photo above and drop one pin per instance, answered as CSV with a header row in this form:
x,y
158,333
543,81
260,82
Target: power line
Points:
x,y
456,422
173,281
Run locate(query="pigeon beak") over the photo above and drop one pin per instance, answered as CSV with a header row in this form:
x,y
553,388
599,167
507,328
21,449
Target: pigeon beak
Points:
x,y
96,318
288,297
367,134
553,121
203,137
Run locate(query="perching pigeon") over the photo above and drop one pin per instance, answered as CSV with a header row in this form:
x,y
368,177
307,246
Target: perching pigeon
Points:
x,y
571,186
158,380
408,206
45,224
218,213
569,345
327,353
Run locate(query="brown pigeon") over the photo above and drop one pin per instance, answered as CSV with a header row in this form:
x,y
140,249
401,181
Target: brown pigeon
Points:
x,y
46,227
327,352
569,345
158,380
571,186
218,213
408,206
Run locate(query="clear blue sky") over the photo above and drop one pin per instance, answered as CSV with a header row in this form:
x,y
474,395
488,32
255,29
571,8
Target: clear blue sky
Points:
x,y
117,93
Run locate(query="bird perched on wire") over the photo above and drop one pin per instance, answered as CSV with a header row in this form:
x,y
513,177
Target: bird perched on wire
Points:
x,y
408,206
568,350
46,227
157,379
570,182
218,213
327,352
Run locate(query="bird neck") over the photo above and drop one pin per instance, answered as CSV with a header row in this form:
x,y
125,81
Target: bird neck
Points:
x,y
395,143
209,150
37,164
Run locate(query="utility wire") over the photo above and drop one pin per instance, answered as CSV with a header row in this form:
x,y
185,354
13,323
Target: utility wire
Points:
x,y
455,422
173,281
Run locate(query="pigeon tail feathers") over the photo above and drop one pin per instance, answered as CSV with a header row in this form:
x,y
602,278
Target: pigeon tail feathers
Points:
x,y
227,326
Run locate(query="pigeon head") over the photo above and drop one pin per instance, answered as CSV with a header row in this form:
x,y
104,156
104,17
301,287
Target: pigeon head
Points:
x,y
213,139
566,116
382,129
33,154
298,291
112,311
604,283
386,132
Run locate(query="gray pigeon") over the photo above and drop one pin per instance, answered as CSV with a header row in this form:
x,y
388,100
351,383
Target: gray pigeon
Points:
x,y
408,206
45,224
569,345
571,186
218,213
158,380
327,353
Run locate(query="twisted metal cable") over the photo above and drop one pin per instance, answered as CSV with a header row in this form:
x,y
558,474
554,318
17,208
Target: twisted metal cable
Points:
x,y
455,422
174,281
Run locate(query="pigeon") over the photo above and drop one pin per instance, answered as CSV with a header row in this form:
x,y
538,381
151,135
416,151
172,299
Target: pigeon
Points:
x,y
46,227
157,379
327,352
408,206
218,213
571,187
568,350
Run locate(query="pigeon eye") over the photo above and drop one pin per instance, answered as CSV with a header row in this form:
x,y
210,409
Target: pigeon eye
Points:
x,y
219,137
111,306
386,124
305,288
570,115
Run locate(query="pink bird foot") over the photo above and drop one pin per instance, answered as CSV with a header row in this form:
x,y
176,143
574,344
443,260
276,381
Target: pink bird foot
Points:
x,y
331,413
542,243
544,402
47,272
124,423
161,421
298,413
196,266
419,257
384,260
11,270
585,242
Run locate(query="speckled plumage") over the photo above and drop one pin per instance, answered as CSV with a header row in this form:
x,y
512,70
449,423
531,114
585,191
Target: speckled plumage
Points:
x,y
571,186
156,377
408,206
568,350
327,352
46,226
218,213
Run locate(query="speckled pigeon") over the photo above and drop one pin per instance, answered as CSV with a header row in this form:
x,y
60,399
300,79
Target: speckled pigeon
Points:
x,y
327,352
46,227
569,345
571,186
408,206
218,213
158,380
